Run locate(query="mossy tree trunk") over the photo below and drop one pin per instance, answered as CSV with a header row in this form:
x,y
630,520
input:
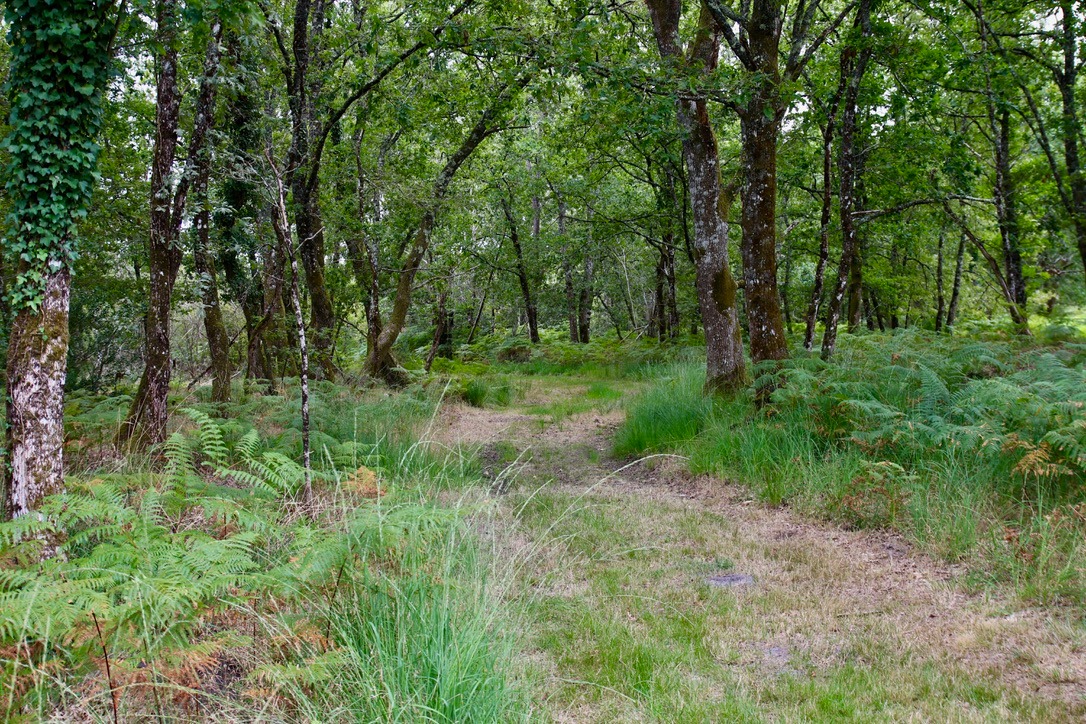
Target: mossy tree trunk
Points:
x,y
716,288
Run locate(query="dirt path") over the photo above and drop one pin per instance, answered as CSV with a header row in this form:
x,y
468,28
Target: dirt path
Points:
x,y
821,598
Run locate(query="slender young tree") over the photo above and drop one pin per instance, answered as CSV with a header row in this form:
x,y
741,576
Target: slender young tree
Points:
x,y
854,61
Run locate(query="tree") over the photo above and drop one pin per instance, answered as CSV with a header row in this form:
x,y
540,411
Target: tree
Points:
x,y
754,37
725,369
145,424
59,67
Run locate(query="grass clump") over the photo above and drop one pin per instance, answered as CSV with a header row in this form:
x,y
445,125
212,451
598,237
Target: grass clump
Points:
x,y
490,391
671,412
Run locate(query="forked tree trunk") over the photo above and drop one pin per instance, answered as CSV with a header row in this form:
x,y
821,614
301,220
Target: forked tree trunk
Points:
x,y
36,368
725,368
379,360
145,424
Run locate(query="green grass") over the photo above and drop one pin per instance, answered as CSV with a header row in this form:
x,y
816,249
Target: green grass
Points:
x,y
616,603
672,411
975,450
490,391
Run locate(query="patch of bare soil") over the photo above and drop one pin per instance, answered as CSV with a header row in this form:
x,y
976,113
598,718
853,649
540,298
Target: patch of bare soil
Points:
x,y
864,581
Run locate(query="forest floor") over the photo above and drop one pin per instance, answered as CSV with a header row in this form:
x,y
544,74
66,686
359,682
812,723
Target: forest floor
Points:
x,y
647,594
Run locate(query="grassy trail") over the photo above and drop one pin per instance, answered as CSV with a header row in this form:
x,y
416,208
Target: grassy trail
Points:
x,y
608,562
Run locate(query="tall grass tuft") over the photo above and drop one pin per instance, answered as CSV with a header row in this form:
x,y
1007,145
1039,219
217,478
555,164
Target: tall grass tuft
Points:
x,y
672,412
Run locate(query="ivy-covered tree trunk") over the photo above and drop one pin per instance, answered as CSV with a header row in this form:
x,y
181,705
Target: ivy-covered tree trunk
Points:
x,y
716,288
58,69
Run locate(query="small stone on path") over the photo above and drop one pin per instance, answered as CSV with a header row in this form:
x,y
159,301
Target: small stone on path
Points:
x,y
728,580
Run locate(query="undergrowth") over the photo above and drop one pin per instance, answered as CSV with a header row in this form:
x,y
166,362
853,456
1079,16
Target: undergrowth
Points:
x,y
977,450
202,587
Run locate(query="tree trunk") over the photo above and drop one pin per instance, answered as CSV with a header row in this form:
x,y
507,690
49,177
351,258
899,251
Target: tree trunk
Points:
x,y
36,368
725,368
658,320
218,341
281,227
567,273
145,424
853,66
1007,209
672,292
1067,80
379,361
1017,315
940,297
855,287
442,330
760,126
765,321
584,303
58,68
522,271
955,291
824,228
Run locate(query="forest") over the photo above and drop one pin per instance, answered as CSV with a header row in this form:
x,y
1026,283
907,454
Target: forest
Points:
x,y
543,360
